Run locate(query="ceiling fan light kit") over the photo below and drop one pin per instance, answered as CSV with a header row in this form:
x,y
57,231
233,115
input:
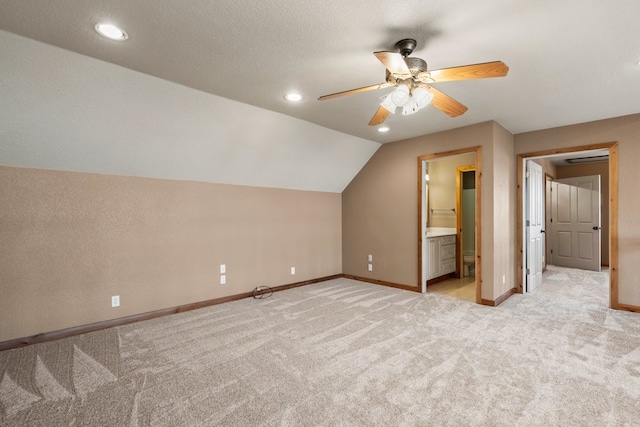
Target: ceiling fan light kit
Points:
x,y
411,100
388,104
413,82
400,96
422,96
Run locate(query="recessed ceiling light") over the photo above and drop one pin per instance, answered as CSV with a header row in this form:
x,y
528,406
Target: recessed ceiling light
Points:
x,y
112,32
293,97
383,129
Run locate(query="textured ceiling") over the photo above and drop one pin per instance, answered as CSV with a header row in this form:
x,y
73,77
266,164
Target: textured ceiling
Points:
x,y
570,61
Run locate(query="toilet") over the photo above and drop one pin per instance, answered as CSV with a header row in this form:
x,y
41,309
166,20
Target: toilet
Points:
x,y
469,264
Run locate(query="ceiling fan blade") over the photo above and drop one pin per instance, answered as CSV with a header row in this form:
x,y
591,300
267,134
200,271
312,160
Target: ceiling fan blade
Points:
x,y
394,62
445,103
469,72
352,91
379,117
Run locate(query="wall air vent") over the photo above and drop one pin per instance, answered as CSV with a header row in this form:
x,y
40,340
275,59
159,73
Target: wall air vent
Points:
x,y
591,159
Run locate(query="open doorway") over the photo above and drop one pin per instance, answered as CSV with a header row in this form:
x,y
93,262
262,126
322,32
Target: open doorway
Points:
x,y
465,220
441,248
569,240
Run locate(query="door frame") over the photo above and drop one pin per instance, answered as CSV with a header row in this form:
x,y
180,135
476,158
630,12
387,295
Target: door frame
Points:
x,y
613,212
421,213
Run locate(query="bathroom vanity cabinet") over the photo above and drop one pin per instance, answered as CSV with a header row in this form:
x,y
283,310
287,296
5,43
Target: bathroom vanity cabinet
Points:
x,y
441,259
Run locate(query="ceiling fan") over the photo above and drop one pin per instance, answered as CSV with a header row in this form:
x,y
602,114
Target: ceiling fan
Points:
x,y
413,81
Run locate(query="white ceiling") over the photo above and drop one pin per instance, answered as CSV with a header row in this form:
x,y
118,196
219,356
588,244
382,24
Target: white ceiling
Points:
x,y
570,61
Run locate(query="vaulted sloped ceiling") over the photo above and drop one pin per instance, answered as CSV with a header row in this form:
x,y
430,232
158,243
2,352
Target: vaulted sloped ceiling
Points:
x,y
62,110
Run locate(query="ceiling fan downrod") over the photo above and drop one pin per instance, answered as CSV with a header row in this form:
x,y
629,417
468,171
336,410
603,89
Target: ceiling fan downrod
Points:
x,y
406,46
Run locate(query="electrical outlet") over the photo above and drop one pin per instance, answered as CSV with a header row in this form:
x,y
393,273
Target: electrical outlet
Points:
x,y
370,267
223,268
293,270
504,279
115,301
223,280
370,258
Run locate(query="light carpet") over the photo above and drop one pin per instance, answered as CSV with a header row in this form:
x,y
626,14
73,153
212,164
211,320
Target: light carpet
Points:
x,y
345,353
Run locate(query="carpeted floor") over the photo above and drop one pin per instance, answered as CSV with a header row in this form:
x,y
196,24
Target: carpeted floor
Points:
x,y
345,353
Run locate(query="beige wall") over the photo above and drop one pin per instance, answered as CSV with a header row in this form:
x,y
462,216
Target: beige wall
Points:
x,y
380,208
547,167
587,169
442,189
69,241
626,131
504,214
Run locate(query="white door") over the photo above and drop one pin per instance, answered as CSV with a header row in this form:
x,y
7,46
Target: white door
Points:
x,y
534,217
575,223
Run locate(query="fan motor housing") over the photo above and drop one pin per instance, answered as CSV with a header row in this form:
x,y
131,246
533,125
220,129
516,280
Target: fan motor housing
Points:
x,y
416,65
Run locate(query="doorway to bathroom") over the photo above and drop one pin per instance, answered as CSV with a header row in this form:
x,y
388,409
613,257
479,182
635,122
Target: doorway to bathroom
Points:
x,y
449,208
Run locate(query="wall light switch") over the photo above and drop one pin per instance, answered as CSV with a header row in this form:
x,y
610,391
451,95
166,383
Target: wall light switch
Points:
x,y
370,267
115,301
223,268
370,258
293,270
223,280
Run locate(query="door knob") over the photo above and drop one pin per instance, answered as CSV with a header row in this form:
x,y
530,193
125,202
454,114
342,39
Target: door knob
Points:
x,y
542,231
595,227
